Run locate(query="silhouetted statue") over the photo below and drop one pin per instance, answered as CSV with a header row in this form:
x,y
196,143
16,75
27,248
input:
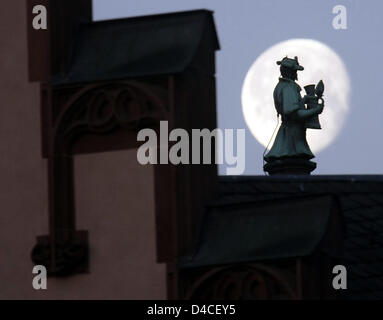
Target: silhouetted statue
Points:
x,y
290,153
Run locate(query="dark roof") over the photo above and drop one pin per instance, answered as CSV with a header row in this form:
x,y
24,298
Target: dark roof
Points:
x,y
261,230
360,201
139,46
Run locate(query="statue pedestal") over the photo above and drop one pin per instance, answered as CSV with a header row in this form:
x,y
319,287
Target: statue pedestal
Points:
x,y
290,166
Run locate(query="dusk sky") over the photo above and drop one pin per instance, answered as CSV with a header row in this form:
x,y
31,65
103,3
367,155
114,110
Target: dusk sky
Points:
x,y
246,28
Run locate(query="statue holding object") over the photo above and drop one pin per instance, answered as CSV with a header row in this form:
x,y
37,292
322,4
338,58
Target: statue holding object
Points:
x,y
290,153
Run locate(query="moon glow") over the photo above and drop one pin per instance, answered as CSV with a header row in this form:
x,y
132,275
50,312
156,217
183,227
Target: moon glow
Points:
x,y
320,63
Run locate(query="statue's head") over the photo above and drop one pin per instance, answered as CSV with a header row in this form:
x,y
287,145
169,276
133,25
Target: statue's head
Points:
x,y
289,68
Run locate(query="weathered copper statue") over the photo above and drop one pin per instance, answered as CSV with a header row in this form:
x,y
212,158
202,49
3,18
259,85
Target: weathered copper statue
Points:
x,y
290,153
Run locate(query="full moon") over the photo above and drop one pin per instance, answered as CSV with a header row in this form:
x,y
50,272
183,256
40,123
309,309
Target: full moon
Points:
x,y
320,63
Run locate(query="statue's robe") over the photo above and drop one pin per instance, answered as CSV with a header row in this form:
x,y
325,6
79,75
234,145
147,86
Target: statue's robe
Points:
x,y
290,141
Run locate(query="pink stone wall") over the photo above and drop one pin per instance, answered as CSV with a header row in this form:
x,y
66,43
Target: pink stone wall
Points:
x,y
114,196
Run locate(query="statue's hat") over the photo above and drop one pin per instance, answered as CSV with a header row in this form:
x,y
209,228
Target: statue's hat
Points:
x,y
290,63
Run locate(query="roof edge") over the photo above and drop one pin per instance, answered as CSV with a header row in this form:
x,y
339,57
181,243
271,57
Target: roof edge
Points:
x,y
298,178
